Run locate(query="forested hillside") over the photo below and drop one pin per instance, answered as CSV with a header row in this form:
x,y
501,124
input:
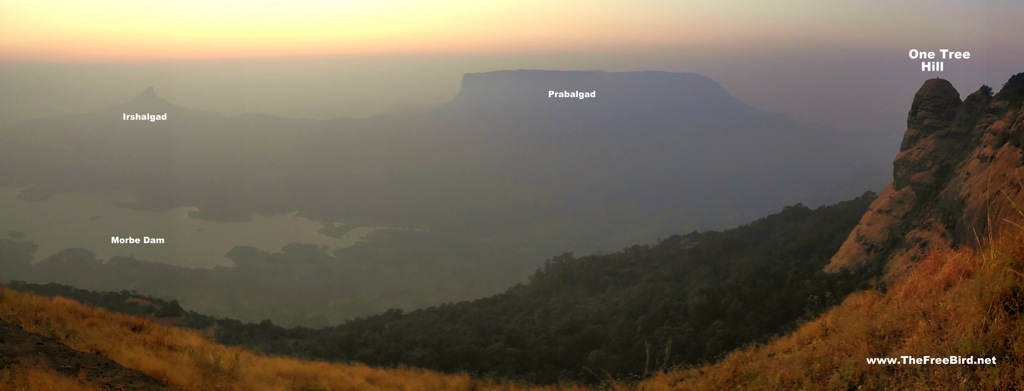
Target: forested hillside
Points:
x,y
685,300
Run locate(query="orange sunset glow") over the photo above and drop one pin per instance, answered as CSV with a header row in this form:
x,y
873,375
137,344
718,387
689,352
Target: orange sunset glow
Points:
x,y
117,30
517,195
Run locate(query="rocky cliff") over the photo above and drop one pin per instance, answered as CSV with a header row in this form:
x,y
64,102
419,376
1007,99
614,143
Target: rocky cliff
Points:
x,y
959,168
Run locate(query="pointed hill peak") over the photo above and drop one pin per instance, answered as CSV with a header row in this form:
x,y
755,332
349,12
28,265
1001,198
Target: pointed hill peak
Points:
x,y
149,97
148,102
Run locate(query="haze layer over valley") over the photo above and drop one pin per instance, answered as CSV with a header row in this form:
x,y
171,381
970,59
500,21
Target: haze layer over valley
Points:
x,y
468,198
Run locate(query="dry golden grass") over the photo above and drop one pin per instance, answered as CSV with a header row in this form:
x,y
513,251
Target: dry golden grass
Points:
x,y
965,303
185,360
39,378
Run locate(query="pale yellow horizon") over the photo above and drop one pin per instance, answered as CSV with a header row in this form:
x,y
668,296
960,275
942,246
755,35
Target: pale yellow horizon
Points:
x,y
42,31
60,30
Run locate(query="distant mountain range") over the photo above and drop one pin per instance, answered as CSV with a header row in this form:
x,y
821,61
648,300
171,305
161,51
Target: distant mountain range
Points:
x,y
667,151
503,167
933,265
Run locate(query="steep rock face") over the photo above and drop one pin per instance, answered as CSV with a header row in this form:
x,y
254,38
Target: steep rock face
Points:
x,y
959,167
929,131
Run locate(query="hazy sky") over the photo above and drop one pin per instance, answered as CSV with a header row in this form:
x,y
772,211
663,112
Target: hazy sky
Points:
x,y
72,30
840,63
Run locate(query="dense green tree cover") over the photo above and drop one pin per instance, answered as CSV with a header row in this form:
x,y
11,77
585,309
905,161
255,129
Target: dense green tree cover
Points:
x,y
302,284
685,300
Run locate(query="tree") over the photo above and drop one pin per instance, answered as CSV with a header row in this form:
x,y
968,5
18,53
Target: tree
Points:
x,y
172,310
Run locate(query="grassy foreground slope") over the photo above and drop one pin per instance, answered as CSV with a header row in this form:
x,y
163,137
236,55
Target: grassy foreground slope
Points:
x,y
185,360
40,378
955,302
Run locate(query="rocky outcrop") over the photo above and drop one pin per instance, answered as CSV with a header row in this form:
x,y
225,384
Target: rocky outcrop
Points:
x,y
958,170
929,130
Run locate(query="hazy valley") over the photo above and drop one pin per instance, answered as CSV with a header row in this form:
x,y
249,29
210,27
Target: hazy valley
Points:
x,y
531,195
480,190
929,264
